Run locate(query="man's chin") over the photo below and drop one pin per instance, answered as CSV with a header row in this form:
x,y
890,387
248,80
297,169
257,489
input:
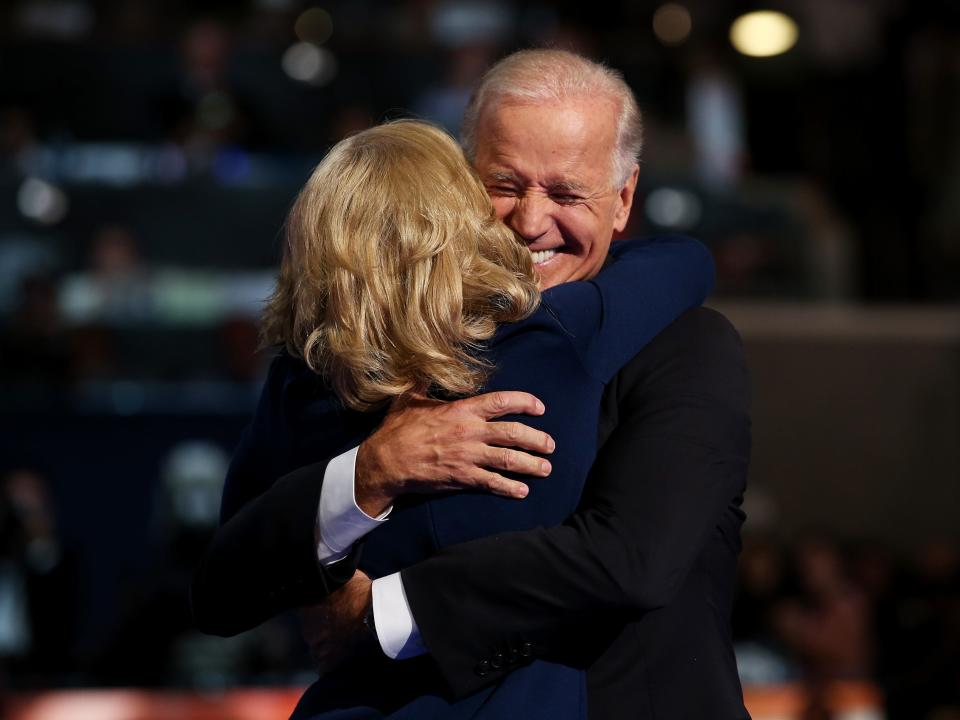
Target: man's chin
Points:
x,y
561,268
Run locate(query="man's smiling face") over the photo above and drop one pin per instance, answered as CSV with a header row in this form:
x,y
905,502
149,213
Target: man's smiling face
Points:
x,y
548,168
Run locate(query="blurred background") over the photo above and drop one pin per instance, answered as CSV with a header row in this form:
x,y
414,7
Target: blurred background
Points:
x,y
150,149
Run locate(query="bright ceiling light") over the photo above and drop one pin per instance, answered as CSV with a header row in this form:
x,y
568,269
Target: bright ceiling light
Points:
x,y
310,64
673,208
41,201
763,33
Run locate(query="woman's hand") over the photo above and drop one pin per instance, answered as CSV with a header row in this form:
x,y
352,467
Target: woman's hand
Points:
x,y
427,446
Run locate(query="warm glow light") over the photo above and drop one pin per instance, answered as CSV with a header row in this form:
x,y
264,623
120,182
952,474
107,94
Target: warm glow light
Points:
x,y
763,33
314,25
672,23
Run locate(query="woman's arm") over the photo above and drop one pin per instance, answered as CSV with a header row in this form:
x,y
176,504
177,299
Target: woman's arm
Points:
x,y
645,287
264,558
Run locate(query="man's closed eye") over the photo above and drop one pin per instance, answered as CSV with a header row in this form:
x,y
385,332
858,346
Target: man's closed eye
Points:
x,y
565,198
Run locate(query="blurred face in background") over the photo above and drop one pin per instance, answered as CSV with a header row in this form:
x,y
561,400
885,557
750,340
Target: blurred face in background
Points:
x,y
548,169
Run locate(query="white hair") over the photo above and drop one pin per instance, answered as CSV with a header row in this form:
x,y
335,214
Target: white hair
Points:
x,y
555,75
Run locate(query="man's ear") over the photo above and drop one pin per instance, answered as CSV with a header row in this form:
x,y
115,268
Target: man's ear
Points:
x,y
625,200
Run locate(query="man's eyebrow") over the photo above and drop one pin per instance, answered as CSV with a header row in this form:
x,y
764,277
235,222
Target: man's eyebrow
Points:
x,y
501,176
567,186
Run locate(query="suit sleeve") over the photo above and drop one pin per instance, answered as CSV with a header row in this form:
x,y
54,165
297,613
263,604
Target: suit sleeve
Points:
x,y
262,560
646,285
661,483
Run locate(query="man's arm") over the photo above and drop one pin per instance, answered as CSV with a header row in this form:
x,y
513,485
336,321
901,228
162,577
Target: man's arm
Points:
x,y
291,544
263,560
674,463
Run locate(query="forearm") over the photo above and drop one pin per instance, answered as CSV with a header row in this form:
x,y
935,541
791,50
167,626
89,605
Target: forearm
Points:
x,y
264,556
263,560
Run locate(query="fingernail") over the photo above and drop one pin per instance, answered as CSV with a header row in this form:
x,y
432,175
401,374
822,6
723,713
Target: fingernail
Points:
x,y
540,407
545,467
551,444
522,492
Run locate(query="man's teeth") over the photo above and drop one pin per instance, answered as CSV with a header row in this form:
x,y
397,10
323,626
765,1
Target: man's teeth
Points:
x,y
541,256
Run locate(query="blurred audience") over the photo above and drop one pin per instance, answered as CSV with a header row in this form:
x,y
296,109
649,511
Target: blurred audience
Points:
x,y
38,586
828,625
829,173
33,347
209,110
242,356
445,102
815,611
114,288
153,642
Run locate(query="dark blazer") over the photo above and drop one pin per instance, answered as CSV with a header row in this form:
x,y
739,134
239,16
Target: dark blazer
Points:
x,y
253,569
650,555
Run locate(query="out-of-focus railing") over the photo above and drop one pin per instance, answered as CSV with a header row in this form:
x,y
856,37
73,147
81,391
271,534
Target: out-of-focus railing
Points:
x,y
133,704
844,700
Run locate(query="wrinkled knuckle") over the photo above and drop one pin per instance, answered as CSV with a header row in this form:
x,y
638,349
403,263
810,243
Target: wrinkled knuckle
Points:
x,y
488,481
499,401
506,460
513,432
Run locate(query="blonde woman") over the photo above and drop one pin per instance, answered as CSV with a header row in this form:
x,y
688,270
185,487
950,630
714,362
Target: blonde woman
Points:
x,y
398,281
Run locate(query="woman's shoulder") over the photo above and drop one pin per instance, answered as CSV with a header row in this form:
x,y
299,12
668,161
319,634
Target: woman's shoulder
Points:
x,y
292,390
288,373
299,406
544,319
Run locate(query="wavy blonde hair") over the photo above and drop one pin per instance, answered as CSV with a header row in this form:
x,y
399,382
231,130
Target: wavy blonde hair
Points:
x,y
395,268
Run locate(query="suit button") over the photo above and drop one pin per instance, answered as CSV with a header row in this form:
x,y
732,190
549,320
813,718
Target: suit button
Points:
x,y
526,649
511,655
496,662
482,668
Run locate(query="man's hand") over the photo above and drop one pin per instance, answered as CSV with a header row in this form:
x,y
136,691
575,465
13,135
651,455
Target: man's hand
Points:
x,y
430,446
334,629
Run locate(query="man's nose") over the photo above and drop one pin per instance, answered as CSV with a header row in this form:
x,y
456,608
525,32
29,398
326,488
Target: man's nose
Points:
x,y
530,217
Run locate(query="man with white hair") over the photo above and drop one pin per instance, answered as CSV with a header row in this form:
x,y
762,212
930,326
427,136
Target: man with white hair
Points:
x,y
637,585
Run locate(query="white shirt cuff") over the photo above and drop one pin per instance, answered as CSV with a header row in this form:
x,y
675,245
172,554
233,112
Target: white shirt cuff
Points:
x,y
340,521
397,631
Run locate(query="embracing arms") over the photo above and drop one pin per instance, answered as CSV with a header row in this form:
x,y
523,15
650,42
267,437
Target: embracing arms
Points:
x,y
263,560
269,554
256,569
675,463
